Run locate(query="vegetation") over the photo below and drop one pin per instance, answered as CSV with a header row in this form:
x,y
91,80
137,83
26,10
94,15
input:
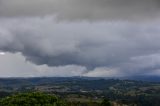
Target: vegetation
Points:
x,y
81,91
42,99
31,99
105,102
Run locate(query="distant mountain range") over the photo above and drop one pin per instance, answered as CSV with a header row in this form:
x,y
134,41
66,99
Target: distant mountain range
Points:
x,y
136,78
143,78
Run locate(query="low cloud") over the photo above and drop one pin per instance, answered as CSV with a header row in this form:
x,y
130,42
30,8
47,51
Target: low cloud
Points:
x,y
104,72
116,45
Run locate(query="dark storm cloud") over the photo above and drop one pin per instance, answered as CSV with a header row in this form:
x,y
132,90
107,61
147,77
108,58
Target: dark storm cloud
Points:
x,y
83,9
123,47
108,37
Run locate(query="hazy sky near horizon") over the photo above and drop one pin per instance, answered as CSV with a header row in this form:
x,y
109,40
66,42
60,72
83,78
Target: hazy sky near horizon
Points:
x,y
95,38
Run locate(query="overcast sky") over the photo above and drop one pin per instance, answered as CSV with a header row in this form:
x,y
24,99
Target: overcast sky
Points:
x,y
95,38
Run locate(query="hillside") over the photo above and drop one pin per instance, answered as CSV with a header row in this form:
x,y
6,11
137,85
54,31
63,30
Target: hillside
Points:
x,y
78,89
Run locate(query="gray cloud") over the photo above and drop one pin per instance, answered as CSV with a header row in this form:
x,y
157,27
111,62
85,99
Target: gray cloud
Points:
x,y
93,37
120,46
83,9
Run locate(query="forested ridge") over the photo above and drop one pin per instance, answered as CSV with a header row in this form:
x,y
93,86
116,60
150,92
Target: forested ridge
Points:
x,y
79,91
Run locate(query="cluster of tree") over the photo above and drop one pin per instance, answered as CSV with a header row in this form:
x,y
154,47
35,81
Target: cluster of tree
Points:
x,y
31,99
42,99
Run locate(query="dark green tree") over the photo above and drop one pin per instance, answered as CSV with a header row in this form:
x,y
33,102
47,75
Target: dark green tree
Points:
x,y
106,102
31,99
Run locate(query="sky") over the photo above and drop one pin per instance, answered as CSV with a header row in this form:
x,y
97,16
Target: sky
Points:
x,y
92,38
